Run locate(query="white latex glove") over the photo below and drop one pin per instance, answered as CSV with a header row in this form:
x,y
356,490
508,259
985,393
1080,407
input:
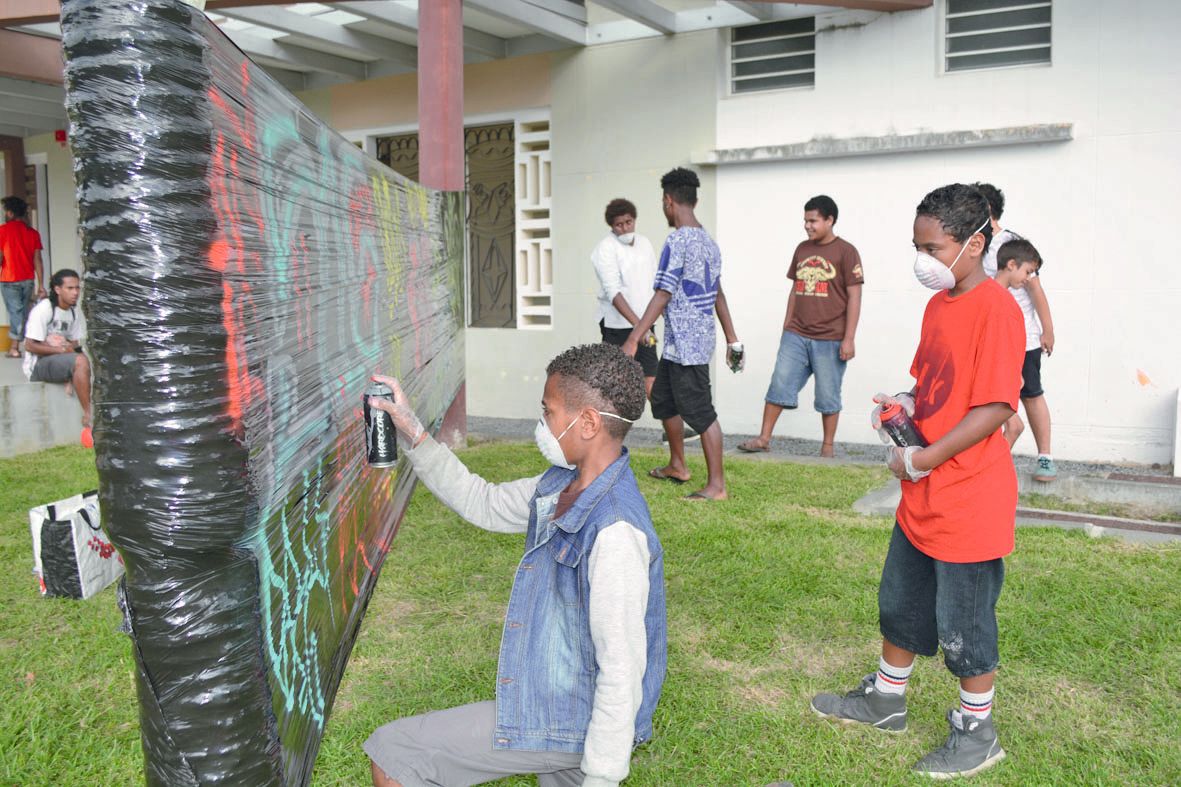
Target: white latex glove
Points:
x,y
730,359
900,462
875,415
406,421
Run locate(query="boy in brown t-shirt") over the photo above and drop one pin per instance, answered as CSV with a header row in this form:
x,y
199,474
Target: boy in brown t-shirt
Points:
x,y
822,312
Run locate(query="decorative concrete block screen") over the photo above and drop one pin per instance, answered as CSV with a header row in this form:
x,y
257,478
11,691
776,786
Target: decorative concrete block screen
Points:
x,y
247,269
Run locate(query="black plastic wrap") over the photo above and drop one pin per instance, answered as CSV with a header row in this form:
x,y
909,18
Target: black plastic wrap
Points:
x,y
247,269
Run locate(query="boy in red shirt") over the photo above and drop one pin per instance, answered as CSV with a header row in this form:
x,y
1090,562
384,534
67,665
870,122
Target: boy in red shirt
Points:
x,y
944,568
20,265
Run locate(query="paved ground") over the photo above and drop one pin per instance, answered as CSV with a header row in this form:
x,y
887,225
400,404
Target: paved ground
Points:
x,y
794,449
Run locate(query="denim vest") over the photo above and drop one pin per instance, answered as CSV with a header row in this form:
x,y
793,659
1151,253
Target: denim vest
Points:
x,y
545,682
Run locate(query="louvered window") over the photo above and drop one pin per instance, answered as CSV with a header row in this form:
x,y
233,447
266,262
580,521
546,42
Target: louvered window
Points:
x,y
773,56
996,33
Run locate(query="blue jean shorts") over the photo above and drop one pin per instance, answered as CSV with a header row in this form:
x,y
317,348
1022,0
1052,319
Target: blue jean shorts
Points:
x,y
925,604
800,358
17,295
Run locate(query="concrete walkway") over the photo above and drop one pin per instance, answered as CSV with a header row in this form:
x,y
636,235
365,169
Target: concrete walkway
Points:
x,y
1133,485
34,416
791,449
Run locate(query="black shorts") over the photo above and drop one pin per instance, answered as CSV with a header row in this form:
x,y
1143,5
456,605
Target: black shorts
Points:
x,y
684,391
644,354
1031,374
924,603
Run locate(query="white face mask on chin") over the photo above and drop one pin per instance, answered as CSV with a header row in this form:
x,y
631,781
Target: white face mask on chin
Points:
x,y
626,238
933,274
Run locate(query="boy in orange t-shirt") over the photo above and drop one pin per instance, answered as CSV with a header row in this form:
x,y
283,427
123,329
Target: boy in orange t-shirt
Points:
x,y
955,523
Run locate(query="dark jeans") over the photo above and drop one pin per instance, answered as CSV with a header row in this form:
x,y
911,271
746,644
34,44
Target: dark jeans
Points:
x,y
925,604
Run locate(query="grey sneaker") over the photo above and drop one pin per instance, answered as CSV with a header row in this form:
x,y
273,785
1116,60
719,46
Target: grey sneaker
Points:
x,y
864,705
1046,469
971,747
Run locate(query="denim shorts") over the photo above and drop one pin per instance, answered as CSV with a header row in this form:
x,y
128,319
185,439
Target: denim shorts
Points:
x,y
925,604
17,295
800,358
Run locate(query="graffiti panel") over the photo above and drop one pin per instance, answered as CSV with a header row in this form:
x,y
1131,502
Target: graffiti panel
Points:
x,y
247,270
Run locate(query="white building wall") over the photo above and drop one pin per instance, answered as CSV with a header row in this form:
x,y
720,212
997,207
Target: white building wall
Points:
x,y
1100,208
621,116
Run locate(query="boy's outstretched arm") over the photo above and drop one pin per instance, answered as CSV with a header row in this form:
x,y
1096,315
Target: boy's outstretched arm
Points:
x,y
978,424
500,508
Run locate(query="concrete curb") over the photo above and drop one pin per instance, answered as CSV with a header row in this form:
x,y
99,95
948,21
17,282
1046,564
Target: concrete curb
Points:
x,y
884,500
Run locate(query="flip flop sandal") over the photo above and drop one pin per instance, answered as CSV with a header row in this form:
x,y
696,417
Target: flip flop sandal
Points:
x,y
658,475
695,496
751,447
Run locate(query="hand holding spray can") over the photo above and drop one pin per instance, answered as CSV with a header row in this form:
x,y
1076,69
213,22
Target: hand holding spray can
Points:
x,y
381,437
900,427
737,350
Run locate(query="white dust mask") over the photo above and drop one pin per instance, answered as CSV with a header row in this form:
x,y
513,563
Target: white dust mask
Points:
x,y
550,446
933,274
626,238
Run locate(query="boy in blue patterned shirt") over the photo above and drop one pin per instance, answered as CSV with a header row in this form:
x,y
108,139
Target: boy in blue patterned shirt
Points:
x,y
688,291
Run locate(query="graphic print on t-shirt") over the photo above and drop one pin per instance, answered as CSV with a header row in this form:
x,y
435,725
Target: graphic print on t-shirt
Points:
x,y
936,378
813,275
690,269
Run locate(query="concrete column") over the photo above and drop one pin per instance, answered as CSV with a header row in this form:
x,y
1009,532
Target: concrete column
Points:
x,y
440,134
440,94
13,150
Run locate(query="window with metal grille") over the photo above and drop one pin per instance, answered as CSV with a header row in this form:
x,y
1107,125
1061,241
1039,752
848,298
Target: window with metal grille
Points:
x,y
773,56
996,33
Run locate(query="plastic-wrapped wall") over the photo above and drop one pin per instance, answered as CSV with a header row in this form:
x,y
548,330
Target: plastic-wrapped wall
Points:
x,y
247,269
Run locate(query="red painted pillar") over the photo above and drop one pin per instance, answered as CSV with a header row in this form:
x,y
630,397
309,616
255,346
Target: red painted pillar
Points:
x,y
440,94
440,133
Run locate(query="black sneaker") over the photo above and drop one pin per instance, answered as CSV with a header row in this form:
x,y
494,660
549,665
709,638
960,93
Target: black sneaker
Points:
x,y
864,705
971,747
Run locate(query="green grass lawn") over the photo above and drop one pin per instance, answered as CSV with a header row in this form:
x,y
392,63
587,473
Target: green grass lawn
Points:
x,y
771,598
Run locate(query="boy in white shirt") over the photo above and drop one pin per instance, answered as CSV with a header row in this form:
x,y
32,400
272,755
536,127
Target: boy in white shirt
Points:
x,y
626,266
1039,336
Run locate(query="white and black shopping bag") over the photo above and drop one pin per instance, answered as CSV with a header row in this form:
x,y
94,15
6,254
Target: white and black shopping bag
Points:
x,y
72,556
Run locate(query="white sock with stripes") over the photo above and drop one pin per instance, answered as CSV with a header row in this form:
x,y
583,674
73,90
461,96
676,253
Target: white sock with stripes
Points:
x,y
978,705
891,679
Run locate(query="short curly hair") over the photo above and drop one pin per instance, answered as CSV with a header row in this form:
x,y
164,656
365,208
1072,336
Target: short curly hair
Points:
x,y
681,184
961,209
603,377
619,207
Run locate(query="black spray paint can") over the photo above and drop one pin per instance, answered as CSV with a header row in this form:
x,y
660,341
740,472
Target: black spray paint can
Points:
x,y
381,439
900,428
